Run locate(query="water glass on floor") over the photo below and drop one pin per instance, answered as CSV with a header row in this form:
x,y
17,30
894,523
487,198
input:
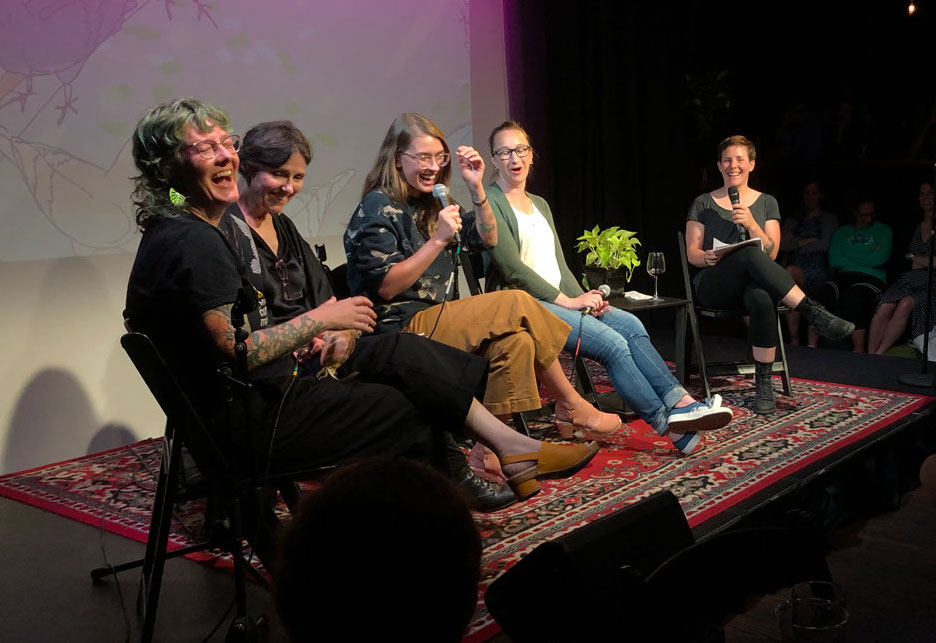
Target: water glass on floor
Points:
x,y
816,612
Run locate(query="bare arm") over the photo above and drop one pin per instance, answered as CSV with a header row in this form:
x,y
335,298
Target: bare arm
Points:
x,y
267,344
695,233
471,166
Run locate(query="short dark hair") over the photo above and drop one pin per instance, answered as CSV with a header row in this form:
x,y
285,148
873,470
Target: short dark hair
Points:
x,y
737,139
378,540
266,146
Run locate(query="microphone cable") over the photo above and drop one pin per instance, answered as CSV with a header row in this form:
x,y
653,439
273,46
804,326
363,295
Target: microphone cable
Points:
x,y
448,289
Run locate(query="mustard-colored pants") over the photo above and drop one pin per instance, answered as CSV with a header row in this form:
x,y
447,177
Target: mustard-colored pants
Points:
x,y
508,327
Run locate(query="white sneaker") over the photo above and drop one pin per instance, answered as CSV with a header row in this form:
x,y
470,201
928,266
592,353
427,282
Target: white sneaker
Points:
x,y
700,417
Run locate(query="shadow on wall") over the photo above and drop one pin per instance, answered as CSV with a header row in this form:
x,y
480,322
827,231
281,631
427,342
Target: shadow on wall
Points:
x,y
51,419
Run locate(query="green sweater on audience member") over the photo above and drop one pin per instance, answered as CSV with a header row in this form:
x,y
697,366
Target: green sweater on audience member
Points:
x,y
863,250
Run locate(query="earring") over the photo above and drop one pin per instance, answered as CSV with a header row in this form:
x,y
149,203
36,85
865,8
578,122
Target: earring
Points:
x,y
176,198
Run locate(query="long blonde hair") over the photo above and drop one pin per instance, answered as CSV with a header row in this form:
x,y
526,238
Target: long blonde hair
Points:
x,y
386,176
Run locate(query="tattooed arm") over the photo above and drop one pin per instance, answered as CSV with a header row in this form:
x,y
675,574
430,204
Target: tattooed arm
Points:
x,y
267,344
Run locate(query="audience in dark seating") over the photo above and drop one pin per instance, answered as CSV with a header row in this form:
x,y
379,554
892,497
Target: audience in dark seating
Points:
x,y
805,241
858,253
905,299
383,550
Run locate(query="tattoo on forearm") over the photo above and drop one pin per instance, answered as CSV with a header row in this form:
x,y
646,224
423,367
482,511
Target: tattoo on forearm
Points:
x,y
266,344
486,227
768,245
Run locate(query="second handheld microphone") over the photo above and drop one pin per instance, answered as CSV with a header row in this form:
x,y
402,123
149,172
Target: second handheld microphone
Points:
x,y
735,199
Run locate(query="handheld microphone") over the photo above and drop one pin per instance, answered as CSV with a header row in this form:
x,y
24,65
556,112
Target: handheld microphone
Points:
x,y
735,199
605,291
441,193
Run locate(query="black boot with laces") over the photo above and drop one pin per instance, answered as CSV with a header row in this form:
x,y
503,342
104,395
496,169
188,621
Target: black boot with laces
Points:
x,y
764,399
823,322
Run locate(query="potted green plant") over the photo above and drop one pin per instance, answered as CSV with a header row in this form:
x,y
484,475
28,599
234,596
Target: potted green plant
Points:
x,y
611,258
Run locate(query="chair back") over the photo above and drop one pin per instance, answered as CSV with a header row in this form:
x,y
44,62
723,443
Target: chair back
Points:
x,y
339,281
683,257
473,267
182,420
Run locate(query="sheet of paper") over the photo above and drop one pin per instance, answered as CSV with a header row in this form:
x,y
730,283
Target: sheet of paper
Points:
x,y
721,248
637,295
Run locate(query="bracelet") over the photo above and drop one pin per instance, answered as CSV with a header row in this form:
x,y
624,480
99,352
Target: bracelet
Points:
x,y
481,202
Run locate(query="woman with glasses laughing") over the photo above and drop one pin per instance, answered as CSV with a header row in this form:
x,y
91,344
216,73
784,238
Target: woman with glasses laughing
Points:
x,y
401,246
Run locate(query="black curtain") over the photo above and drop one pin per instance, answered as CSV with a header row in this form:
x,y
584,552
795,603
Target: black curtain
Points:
x,y
626,101
601,93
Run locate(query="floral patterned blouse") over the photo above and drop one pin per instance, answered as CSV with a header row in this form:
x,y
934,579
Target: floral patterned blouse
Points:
x,y
382,233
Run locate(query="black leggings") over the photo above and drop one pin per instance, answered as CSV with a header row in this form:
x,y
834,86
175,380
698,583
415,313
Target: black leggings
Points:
x,y
747,277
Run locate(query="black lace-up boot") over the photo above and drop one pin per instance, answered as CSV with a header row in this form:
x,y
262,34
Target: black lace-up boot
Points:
x,y
764,400
824,322
483,495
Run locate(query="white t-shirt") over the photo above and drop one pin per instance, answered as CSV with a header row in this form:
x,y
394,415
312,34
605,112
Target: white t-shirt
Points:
x,y
538,245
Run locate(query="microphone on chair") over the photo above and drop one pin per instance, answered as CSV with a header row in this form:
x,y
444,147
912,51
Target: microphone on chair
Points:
x,y
441,193
736,199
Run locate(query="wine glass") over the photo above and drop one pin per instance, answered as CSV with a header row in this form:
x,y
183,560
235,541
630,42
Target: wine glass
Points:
x,y
656,266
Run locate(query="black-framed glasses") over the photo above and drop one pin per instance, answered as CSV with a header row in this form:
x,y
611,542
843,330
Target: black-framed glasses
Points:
x,y
208,149
522,151
424,159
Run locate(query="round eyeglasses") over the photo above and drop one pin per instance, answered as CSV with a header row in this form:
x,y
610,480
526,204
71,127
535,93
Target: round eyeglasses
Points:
x,y
208,149
424,159
521,151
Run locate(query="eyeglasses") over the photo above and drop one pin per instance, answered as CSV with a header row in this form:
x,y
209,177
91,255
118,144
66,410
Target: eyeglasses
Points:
x,y
521,151
424,159
282,268
208,149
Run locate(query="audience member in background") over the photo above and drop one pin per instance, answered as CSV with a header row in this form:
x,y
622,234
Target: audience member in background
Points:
x,y
906,298
401,247
858,253
528,256
342,397
806,240
383,546
748,277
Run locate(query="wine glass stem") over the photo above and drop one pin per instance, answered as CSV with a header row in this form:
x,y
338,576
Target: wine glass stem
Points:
x,y
656,294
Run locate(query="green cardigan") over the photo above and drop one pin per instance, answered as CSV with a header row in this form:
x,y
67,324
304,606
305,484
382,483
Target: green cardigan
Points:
x,y
506,269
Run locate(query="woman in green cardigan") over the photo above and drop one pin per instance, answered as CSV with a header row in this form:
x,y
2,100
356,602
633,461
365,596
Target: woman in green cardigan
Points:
x,y
528,256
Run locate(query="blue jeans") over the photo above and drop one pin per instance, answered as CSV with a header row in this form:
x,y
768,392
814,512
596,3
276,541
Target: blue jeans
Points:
x,y
619,341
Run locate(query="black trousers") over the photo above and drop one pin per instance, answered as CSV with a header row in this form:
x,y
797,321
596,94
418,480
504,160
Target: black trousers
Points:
x,y
408,396
852,296
749,279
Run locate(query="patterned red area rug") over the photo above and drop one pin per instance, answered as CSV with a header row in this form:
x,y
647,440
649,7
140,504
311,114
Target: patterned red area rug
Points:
x,y
114,489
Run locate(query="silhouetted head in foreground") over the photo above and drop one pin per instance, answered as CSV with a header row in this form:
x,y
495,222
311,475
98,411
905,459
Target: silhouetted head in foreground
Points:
x,y
385,547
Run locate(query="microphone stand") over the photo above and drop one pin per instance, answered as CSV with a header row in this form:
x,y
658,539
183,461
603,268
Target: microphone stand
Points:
x,y
924,379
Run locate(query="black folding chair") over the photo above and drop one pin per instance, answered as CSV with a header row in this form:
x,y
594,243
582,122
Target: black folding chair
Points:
x,y
736,367
240,504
